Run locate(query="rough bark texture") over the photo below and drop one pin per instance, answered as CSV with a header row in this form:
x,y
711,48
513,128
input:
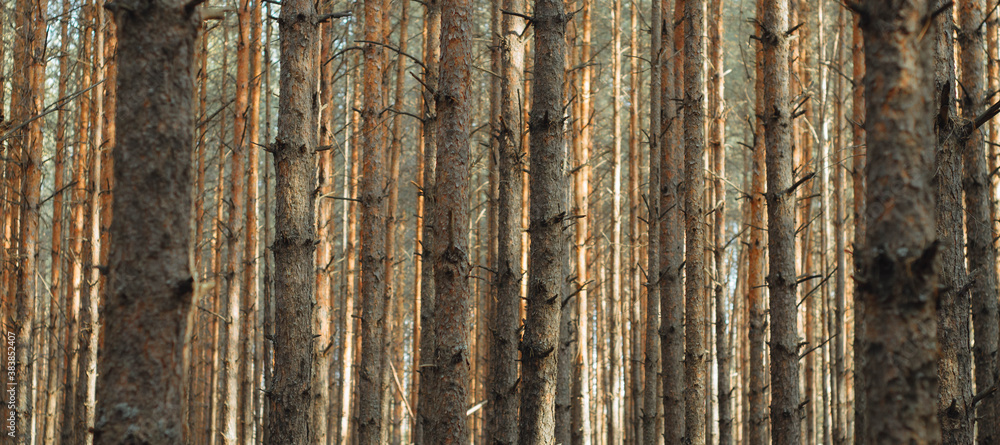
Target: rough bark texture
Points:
x,y
899,283
955,363
503,391
373,185
548,189
696,351
150,284
979,228
451,249
295,234
432,54
717,140
858,111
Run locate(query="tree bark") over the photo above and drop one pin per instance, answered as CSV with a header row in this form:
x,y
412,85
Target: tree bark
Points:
x,y
503,391
653,326
979,228
757,398
900,264
294,243
548,190
150,284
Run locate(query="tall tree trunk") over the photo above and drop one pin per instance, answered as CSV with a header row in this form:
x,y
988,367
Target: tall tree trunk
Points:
x,y
451,215
503,392
581,209
548,190
979,229
717,140
616,359
635,284
252,336
900,257
839,333
757,398
294,244
150,286
27,93
650,409
320,401
696,305
432,54
860,220
231,418
373,235
955,362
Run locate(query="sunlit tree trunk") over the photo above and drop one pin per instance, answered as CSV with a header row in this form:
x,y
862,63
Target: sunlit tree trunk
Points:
x,y
757,398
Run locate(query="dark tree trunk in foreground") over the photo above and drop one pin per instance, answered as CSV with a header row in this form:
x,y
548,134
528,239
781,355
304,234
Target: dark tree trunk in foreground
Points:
x,y
294,242
150,284
548,190
899,273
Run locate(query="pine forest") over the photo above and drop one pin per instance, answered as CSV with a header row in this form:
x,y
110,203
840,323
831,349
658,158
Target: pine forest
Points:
x,y
499,222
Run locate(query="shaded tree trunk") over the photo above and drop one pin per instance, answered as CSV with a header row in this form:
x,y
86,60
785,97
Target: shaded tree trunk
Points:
x,y
899,283
294,242
150,284
548,189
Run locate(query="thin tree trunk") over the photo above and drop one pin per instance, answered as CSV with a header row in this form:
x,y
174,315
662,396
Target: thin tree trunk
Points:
x,y
860,222
979,229
899,259
548,190
717,140
650,409
757,399
840,240
288,404
252,338
955,363
27,93
503,392
616,364
150,284
432,54
635,285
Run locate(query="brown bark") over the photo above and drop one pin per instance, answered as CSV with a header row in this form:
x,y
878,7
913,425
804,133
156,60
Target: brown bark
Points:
x,y
252,337
27,93
150,285
451,215
635,285
321,314
696,305
838,333
502,387
373,235
979,229
432,54
954,364
548,190
899,283
293,247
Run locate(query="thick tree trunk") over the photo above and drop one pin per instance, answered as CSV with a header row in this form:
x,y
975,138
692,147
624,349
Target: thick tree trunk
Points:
x,y
150,284
294,243
548,189
451,248
900,279
373,184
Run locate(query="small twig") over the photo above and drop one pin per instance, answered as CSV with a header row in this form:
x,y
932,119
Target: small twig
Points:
x,y
333,15
396,50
